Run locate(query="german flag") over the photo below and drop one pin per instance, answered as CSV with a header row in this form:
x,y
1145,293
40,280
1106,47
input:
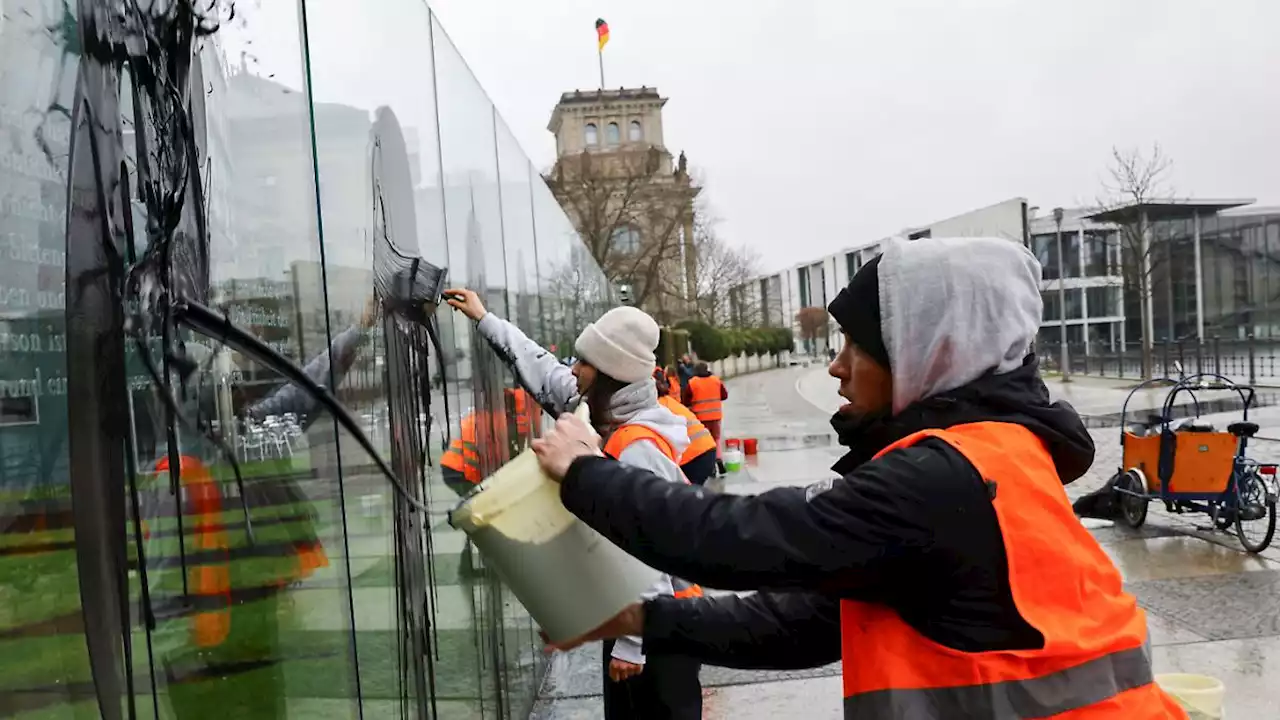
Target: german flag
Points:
x,y
602,33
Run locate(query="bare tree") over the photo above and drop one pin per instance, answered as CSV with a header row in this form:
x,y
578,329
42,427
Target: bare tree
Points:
x,y
631,209
574,293
1134,180
724,271
814,324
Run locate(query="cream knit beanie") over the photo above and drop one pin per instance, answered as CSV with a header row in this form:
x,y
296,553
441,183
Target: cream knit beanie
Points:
x,y
620,344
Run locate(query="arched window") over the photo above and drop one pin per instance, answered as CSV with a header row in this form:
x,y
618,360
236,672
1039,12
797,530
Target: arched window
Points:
x,y
625,239
593,134
634,132
611,134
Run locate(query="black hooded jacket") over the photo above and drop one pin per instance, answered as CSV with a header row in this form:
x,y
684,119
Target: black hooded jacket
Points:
x,y
913,530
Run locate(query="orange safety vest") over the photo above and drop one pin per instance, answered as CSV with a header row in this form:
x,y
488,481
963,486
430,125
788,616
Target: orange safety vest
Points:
x,y
705,392
211,579
463,456
673,387
618,441
524,411
700,440
1095,661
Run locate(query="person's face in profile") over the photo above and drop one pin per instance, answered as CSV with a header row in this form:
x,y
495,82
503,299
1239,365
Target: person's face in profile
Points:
x,y
864,383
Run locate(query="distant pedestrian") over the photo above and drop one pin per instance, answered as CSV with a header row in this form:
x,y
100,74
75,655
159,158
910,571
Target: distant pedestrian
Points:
x,y
685,370
698,462
705,395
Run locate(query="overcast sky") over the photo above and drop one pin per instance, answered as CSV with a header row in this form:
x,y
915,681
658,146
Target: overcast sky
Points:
x,y
818,125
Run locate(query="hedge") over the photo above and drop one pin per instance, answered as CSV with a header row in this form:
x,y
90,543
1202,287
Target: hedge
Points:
x,y
712,343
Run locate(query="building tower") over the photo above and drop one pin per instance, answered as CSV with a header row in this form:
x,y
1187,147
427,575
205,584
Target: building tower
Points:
x,y
631,202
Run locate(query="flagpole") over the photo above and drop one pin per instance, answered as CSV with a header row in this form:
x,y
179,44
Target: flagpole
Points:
x,y
600,54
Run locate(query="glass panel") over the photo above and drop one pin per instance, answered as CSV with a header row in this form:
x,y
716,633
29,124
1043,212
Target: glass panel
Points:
x,y
45,662
1103,301
379,167
1046,251
276,640
1075,306
1052,305
1071,253
473,212
1096,247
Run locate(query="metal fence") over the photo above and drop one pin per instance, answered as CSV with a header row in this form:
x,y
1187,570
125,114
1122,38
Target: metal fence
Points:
x,y
1251,360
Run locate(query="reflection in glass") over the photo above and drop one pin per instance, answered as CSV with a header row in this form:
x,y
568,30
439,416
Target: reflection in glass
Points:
x,y
324,611
611,135
592,134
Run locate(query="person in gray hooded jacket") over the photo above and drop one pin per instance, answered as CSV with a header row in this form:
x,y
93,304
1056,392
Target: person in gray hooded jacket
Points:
x,y
613,374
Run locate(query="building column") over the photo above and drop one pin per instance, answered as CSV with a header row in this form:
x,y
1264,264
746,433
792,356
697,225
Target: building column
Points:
x,y
1084,288
1199,283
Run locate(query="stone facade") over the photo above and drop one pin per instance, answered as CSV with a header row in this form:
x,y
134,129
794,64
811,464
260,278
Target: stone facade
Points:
x,y
629,199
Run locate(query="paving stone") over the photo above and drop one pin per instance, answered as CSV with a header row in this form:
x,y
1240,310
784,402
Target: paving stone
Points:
x,y
1219,607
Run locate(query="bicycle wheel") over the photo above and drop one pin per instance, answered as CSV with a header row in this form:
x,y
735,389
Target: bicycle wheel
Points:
x,y
1132,507
1255,514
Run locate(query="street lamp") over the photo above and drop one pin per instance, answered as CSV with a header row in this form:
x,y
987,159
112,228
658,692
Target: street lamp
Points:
x,y
1062,299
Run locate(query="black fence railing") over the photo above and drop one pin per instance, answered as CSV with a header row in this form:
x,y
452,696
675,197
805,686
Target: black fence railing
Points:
x,y
1251,360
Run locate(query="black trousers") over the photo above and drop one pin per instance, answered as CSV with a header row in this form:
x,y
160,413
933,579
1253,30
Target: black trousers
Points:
x,y
701,468
668,689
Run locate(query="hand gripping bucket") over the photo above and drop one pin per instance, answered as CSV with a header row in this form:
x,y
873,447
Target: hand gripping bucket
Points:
x,y
569,577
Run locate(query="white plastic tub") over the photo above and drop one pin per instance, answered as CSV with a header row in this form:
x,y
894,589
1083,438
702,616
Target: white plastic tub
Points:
x,y
568,576
1200,695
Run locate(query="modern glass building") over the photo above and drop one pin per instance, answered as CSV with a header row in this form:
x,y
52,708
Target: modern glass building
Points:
x,y
1212,267
127,590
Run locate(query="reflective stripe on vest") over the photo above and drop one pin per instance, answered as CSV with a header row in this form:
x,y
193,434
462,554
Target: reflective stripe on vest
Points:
x,y
1094,662
705,395
1041,697
700,440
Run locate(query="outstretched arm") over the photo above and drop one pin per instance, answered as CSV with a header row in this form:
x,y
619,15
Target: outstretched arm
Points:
x,y
550,383
330,366
839,537
760,631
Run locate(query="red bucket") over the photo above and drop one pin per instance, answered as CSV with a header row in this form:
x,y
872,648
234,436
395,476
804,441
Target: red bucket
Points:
x,y
750,446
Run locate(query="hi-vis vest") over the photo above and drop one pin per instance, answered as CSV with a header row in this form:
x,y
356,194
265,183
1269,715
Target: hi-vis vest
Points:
x,y
673,387
526,411
463,456
618,441
1095,661
705,394
700,440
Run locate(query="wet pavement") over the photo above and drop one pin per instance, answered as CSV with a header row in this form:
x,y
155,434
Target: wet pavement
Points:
x,y
1212,608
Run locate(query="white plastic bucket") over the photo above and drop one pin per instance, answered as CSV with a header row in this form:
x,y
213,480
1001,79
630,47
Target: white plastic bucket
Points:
x,y
569,577
1200,695
732,460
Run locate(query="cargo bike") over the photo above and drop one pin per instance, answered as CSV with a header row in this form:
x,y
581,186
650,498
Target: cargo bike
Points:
x,y
1194,467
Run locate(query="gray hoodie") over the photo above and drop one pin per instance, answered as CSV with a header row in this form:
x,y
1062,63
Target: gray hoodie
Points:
x,y
553,385
955,309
